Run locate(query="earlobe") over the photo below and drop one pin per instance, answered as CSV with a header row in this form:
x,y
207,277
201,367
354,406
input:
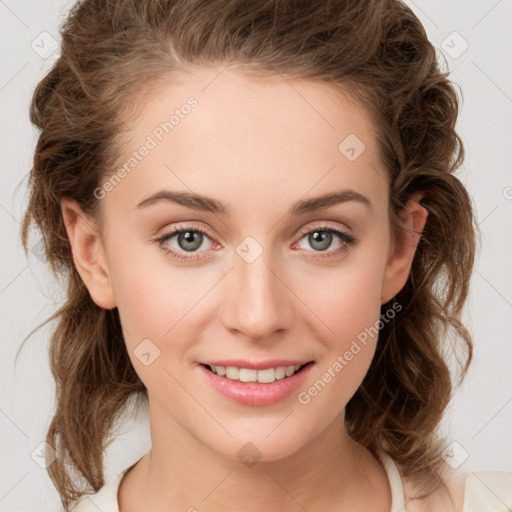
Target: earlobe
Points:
x,y
398,267
88,254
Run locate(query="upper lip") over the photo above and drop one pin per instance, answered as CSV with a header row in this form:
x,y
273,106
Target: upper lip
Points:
x,y
258,365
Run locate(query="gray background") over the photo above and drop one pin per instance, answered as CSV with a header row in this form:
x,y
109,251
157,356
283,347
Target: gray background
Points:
x,y
479,420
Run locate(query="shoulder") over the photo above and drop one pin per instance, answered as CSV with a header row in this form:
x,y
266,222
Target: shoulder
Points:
x,y
105,499
488,491
473,491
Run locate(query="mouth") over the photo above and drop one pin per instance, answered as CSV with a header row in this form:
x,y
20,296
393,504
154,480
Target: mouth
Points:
x,y
262,375
269,383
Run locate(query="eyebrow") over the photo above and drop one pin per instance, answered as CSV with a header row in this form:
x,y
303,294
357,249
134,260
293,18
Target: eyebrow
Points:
x,y
207,204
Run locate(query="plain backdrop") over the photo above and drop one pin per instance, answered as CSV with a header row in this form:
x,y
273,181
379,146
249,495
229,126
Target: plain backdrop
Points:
x,y
474,36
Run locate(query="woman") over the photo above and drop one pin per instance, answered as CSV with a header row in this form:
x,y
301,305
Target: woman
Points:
x,y
253,203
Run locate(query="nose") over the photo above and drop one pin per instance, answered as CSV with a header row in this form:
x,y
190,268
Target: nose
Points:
x,y
259,301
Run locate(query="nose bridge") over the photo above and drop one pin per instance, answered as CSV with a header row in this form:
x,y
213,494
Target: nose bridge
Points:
x,y
260,302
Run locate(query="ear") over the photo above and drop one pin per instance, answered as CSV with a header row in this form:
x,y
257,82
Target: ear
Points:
x,y
88,254
398,267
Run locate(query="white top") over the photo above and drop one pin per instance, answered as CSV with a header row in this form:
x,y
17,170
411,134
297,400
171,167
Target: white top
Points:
x,y
485,491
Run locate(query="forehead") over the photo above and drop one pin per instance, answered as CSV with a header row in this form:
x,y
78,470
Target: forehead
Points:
x,y
252,140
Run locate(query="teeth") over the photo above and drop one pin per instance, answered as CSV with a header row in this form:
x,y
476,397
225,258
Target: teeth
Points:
x,y
249,375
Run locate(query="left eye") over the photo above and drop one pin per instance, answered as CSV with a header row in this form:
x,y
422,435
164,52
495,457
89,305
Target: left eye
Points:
x,y
322,238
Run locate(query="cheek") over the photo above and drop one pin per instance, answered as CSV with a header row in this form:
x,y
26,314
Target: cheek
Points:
x,y
161,303
347,304
156,304
154,308
150,298
345,299
343,367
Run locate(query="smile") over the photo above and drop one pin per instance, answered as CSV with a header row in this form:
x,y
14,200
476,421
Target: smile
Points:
x,y
265,376
256,386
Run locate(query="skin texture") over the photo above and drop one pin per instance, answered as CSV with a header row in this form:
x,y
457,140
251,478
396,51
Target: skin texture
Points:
x,y
257,145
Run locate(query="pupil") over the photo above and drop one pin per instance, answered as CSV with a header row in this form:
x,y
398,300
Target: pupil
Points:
x,y
190,237
324,237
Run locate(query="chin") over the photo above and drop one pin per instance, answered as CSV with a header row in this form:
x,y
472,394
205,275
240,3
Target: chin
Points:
x,y
257,448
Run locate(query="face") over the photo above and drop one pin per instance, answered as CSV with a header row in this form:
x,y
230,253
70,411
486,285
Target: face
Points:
x,y
257,273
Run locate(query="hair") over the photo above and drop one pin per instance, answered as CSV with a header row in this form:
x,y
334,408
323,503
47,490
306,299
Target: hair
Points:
x,y
377,52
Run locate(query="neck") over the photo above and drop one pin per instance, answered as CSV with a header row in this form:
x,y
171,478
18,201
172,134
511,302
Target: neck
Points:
x,y
182,473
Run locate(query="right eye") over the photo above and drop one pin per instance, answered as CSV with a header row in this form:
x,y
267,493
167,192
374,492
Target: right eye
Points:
x,y
188,239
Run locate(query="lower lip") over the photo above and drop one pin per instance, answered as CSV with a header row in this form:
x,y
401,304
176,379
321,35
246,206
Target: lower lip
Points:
x,y
255,393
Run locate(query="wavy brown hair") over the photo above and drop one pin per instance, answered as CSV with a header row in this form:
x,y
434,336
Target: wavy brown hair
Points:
x,y
375,50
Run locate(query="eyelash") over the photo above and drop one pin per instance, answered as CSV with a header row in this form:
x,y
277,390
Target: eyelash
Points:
x,y
348,241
